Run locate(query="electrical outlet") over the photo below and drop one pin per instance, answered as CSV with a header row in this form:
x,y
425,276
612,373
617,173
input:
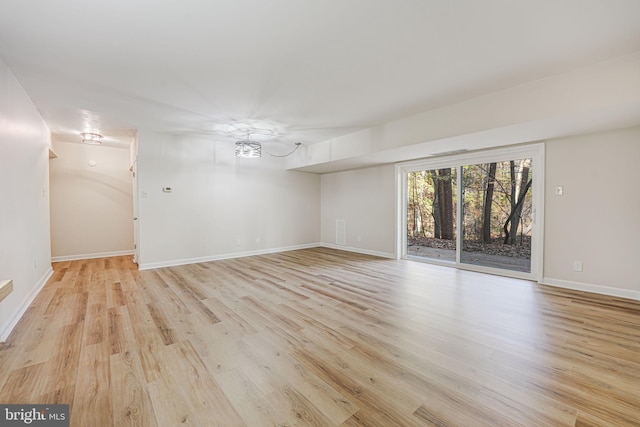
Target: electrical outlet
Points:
x,y
359,238
577,265
257,239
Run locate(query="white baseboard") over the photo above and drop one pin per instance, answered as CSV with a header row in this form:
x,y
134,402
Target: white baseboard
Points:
x,y
173,263
597,289
90,256
358,250
4,334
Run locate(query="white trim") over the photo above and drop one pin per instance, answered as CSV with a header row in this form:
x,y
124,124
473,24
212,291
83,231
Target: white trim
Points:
x,y
596,289
399,247
521,275
432,261
538,209
514,274
358,250
22,308
472,157
136,205
90,256
176,262
401,212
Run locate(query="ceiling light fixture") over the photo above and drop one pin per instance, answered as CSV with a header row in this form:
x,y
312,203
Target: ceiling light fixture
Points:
x,y
252,149
253,132
91,138
248,149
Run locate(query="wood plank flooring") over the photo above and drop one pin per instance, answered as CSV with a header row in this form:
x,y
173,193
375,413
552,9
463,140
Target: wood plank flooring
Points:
x,y
320,337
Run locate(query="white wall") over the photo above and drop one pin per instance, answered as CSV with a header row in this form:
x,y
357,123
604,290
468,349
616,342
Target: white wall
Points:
x,y
25,254
597,219
366,200
220,206
91,207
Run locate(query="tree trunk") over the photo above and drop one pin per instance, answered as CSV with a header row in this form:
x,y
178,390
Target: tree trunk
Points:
x,y
435,206
488,201
509,238
514,183
446,203
515,221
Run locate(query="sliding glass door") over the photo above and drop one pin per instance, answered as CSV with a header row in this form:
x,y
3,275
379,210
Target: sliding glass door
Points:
x,y
475,211
431,213
497,223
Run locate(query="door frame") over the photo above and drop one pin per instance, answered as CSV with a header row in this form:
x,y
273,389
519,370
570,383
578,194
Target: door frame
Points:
x,y
534,151
136,228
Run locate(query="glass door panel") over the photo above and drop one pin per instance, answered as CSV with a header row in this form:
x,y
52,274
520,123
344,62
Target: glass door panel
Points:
x,y
497,221
431,214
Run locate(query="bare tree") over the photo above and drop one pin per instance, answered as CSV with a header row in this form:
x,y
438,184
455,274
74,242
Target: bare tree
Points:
x,y
488,202
519,189
435,206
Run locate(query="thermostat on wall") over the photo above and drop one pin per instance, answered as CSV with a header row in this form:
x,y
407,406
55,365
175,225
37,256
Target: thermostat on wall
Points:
x,y
167,189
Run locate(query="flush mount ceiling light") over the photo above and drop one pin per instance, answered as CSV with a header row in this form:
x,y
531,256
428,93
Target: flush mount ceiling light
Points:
x,y
91,138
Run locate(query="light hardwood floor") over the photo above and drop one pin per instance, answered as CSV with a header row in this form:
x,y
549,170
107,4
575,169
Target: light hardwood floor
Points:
x,y
325,338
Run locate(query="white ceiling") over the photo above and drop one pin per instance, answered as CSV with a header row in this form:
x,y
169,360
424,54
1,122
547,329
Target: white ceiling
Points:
x,y
313,69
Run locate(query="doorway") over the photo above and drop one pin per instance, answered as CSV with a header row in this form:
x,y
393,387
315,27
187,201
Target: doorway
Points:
x,y
475,211
136,230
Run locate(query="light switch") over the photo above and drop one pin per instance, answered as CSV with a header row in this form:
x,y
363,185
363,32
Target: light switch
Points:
x,y
559,190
